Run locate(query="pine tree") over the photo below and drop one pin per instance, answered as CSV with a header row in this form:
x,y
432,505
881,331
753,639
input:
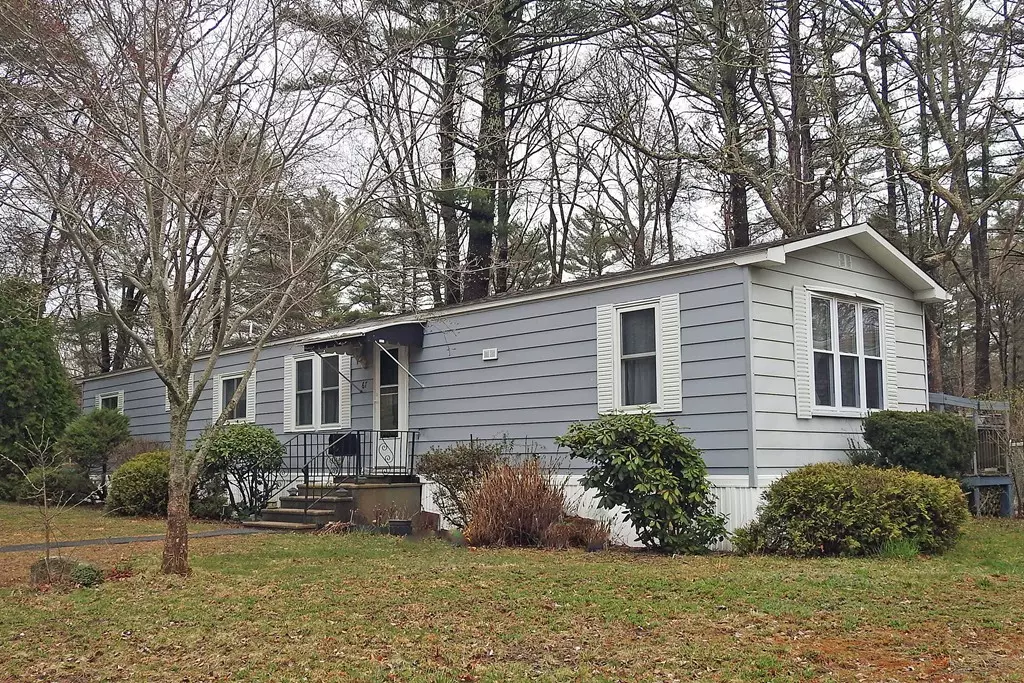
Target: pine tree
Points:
x,y
36,398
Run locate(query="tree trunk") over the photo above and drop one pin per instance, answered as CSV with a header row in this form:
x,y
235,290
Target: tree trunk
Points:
x,y
737,226
104,327
738,208
489,163
982,309
175,557
446,144
887,152
934,343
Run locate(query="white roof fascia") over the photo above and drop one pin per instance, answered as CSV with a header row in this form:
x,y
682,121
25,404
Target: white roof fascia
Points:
x,y
925,289
356,331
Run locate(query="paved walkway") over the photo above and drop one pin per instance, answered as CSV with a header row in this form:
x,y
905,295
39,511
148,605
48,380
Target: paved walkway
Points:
x,y
117,540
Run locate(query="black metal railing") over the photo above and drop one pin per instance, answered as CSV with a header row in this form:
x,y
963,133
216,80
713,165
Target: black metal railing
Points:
x,y
325,458
352,455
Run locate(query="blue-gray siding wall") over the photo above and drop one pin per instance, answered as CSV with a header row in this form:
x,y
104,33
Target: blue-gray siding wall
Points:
x,y
144,394
544,379
784,441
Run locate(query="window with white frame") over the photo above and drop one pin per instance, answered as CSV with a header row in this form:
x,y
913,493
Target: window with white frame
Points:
x,y
229,384
110,400
638,356
846,348
330,390
317,392
304,392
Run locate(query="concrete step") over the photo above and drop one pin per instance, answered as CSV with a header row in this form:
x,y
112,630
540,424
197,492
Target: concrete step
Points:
x,y
282,526
315,502
297,515
318,491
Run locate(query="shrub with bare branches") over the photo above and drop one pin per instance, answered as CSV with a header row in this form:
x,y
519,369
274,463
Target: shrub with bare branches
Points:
x,y
514,505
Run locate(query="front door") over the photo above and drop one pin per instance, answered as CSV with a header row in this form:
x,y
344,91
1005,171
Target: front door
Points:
x,y
390,408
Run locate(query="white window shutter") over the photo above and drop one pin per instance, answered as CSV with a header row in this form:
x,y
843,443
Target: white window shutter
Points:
x,y
120,402
345,391
167,399
671,398
99,402
250,397
802,353
605,359
288,407
191,384
892,385
217,402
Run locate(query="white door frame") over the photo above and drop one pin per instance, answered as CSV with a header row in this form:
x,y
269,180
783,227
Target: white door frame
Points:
x,y
381,445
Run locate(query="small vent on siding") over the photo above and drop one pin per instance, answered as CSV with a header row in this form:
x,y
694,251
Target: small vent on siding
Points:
x,y
490,354
846,261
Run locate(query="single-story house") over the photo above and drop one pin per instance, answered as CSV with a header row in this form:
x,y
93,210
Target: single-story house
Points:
x,y
769,356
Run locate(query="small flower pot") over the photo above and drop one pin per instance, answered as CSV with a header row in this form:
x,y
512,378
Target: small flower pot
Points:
x,y
400,527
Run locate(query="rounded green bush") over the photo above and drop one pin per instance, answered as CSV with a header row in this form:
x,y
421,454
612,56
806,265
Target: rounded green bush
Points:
x,y
139,486
833,509
939,444
657,474
247,455
62,485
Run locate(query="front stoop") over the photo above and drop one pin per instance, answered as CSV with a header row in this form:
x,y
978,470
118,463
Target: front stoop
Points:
x,y
327,502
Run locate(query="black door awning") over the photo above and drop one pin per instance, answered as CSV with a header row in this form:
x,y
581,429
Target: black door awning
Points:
x,y
405,333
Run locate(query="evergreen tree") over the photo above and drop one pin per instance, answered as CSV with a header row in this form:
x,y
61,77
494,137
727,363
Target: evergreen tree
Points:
x,y
36,398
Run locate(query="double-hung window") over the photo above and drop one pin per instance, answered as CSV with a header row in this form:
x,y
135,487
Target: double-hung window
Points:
x,y
304,392
846,347
638,356
330,390
224,388
112,400
317,392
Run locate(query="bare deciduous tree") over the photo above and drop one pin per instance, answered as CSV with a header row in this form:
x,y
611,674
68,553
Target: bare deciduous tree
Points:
x,y
188,128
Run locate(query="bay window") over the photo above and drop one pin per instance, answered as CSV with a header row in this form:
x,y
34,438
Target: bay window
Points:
x,y
846,347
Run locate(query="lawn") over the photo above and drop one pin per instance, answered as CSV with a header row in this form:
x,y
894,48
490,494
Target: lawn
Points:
x,y
372,608
24,524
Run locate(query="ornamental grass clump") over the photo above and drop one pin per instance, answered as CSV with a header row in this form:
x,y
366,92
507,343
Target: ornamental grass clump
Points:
x,y
514,505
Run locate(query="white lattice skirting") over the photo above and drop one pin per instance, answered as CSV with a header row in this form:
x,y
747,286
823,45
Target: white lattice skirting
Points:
x,y
735,498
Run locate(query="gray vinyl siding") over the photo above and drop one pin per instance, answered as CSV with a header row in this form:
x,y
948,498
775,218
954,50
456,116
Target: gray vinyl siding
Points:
x,y
144,394
545,376
783,441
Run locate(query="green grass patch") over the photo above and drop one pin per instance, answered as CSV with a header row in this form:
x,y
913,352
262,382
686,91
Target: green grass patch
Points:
x,y
20,524
376,608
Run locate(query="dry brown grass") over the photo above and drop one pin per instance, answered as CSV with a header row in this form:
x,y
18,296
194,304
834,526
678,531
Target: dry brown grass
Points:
x,y
24,524
577,532
363,607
